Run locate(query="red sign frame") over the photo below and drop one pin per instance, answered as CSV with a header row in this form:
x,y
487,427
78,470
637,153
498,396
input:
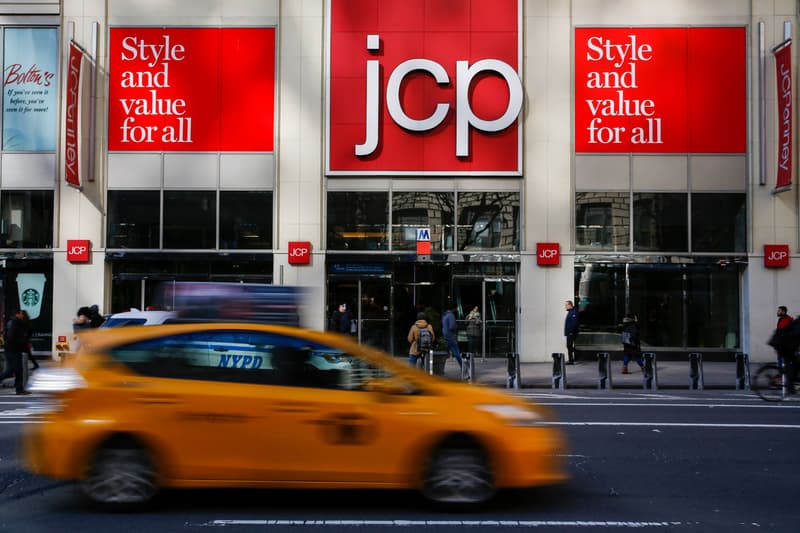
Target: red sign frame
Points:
x,y
662,90
431,31
191,89
78,250
548,253
299,252
776,255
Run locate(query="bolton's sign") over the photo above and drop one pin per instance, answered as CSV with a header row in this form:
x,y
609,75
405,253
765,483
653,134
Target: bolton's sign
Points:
x,y
422,87
191,89
664,90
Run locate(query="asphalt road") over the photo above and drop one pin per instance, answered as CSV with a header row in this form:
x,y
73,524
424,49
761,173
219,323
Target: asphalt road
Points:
x,y
692,461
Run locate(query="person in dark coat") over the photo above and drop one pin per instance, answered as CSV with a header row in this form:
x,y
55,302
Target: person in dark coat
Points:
x,y
340,320
450,333
571,325
17,338
631,343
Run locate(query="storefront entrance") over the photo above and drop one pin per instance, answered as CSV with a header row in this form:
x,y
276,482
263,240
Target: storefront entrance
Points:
x,y
384,299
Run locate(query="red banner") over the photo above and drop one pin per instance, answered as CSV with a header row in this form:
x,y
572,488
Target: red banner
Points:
x,y
662,90
71,121
783,73
192,89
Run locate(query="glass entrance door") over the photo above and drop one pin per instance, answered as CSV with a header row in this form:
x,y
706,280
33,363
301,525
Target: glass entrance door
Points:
x,y
369,303
496,300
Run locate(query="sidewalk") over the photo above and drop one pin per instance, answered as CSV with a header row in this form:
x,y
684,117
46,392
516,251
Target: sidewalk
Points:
x,y
584,375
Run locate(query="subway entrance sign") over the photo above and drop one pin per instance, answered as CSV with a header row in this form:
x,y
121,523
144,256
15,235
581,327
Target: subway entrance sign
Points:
x,y
423,241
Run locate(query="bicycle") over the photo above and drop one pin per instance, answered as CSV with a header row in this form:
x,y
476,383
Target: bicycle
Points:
x,y
768,383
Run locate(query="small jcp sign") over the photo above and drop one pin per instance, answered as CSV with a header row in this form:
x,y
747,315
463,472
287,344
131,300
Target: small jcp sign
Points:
x,y
776,255
78,251
548,253
299,253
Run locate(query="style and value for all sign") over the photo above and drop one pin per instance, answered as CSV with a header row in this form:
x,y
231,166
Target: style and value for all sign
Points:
x,y
158,57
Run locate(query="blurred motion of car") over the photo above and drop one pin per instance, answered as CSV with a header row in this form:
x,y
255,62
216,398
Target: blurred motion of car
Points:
x,y
134,317
250,405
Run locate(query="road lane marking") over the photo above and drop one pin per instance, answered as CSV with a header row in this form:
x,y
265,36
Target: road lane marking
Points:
x,y
453,523
677,424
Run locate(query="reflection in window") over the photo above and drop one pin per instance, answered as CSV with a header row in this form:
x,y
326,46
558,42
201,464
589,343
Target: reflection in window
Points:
x,y
602,220
245,220
133,219
660,222
412,210
190,219
713,307
358,220
718,222
27,219
488,220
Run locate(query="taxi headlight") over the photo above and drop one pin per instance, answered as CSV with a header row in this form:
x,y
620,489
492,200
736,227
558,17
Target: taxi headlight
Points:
x,y
512,415
54,380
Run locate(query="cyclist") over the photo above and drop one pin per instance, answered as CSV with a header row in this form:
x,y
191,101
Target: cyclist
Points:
x,y
786,340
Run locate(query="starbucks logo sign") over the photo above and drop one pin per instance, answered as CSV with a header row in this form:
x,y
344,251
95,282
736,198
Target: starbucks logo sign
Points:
x,y
30,297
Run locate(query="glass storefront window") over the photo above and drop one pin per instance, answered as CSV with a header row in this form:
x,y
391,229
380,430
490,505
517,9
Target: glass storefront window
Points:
x,y
412,210
27,219
245,220
602,221
713,307
190,219
719,222
656,298
660,222
488,221
358,220
133,219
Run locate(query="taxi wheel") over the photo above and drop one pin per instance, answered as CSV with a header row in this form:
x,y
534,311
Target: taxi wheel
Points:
x,y
121,474
459,476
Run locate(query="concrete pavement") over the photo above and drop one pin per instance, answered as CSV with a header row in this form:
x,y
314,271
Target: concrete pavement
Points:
x,y
492,371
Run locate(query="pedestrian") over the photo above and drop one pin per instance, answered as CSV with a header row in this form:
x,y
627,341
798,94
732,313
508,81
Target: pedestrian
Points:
x,y
340,319
421,338
83,319
474,324
785,341
571,325
16,342
450,333
28,333
95,318
631,343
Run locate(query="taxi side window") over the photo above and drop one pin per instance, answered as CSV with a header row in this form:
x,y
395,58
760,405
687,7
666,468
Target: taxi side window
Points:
x,y
176,356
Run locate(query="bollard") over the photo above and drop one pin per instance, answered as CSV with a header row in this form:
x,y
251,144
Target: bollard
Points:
x,y
742,371
650,372
695,371
559,371
468,367
604,370
25,370
513,377
429,362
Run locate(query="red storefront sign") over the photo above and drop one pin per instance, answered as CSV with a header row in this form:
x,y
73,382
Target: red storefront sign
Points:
x,y
299,252
783,73
191,89
78,251
664,90
424,86
71,121
776,255
548,253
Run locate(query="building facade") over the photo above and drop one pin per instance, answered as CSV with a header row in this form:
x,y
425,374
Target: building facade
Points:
x,y
406,156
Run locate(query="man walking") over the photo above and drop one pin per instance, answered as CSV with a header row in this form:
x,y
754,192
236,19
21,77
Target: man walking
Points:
x,y
785,341
16,342
450,332
571,325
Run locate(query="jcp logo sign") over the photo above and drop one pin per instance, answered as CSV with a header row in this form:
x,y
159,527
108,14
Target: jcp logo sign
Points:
x,y
776,255
299,253
78,251
548,253
424,87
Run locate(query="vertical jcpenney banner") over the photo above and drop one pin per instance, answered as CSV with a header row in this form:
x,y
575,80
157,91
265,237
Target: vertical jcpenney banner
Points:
x,y
783,74
192,89
665,90
30,85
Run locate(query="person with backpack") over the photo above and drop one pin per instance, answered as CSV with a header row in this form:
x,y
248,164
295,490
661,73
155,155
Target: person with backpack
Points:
x,y
631,343
785,341
421,338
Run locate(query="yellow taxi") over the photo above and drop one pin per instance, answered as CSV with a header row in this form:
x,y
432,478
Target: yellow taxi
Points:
x,y
250,405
